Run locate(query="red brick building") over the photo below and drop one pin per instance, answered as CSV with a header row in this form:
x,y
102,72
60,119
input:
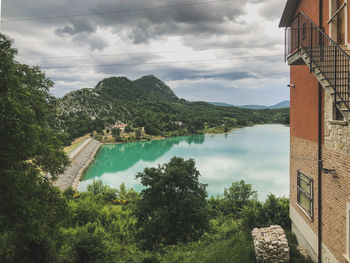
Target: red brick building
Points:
x,y
317,46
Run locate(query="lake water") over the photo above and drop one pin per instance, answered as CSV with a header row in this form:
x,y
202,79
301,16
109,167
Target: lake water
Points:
x,y
259,155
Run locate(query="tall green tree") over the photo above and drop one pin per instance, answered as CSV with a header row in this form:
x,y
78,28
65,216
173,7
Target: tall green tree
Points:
x,y
116,131
238,195
29,150
173,206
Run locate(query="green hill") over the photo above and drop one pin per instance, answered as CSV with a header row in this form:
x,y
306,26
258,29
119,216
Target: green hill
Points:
x,y
220,104
280,105
148,102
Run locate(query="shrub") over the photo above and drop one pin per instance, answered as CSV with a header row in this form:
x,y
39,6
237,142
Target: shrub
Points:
x,y
172,208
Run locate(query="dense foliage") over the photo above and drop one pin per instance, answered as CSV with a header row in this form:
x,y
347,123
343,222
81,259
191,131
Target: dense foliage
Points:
x,y
29,149
102,226
172,208
147,102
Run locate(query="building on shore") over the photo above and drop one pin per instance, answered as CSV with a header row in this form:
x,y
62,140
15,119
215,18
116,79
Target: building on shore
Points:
x,y
120,126
316,48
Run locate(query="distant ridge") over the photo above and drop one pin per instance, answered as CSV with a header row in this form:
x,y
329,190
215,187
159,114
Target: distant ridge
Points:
x,y
280,105
220,104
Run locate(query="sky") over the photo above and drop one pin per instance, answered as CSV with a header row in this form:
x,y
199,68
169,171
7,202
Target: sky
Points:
x,y
204,50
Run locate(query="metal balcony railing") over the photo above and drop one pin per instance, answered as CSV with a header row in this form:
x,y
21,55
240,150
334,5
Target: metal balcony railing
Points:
x,y
325,54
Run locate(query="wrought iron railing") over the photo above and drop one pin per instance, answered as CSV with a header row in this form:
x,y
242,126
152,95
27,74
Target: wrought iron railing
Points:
x,y
325,54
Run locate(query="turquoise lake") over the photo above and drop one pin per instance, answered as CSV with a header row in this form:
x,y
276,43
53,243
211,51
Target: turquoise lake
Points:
x,y
258,155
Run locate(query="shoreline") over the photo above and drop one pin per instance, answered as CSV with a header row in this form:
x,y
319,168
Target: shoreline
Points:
x,y
82,170
80,174
79,161
159,138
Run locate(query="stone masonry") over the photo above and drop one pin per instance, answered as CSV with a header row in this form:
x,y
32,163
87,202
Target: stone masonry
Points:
x,y
271,244
79,163
336,133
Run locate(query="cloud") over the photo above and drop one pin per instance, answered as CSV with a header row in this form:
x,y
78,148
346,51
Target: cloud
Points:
x,y
272,9
77,26
207,51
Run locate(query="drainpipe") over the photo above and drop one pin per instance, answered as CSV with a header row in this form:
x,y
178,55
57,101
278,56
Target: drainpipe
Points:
x,y
319,176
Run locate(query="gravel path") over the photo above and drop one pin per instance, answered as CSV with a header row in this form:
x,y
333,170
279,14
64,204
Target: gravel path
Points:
x,y
79,163
78,149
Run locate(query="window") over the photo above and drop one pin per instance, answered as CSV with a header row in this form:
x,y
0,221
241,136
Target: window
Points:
x,y
305,193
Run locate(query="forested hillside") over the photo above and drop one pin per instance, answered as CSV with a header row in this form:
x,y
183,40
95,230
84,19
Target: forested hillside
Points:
x,y
148,102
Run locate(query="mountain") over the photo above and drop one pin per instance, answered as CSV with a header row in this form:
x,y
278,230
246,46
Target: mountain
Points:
x,y
254,107
280,105
147,102
220,104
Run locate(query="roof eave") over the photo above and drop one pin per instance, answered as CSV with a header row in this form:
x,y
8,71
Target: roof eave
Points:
x,y
288,12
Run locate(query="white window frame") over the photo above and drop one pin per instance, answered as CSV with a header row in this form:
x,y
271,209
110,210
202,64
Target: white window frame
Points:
x,y
310,196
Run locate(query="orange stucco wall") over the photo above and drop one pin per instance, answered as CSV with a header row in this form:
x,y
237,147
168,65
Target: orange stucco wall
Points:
x,y
304,97
311,7
303,104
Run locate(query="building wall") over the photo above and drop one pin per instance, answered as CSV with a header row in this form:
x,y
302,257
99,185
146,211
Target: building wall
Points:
x,y
335,196
336,189
303,157
303,104
337,134
311,9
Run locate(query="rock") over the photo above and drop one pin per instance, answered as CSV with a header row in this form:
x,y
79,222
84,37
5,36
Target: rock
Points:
x,y
271,244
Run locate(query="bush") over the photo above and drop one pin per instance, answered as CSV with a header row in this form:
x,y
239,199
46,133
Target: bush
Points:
x,y
172,208
237,196
119,139
295,255
129,129
84,244
116,132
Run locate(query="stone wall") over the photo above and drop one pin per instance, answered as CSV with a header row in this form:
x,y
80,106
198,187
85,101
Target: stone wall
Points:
x,y
271,244
79,162
336,133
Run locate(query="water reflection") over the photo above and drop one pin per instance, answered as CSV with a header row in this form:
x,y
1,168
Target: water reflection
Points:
x,y
120,157
259,155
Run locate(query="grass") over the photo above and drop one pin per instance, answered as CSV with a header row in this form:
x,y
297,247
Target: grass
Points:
x,y
75,143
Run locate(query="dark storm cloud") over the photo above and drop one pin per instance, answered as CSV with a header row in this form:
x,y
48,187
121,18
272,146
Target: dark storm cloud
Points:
x,y
77,26
81,32
142,25
142,32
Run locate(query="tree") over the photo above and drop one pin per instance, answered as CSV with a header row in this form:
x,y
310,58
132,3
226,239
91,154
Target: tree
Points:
x,y
173,207
30,207
237,196
275,211
139,122
138,134
128,129
116,132
152,128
